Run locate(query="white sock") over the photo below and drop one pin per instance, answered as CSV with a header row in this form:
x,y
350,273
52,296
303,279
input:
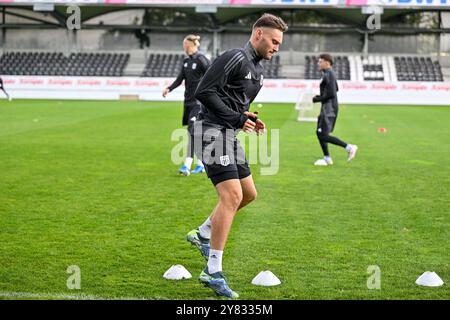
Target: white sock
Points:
x,y
215,261
200,163
348,147
188,162
205,229
327,158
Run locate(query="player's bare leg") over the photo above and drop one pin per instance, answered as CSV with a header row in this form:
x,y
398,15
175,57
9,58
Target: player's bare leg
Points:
x,y
248,191
230,199
201,236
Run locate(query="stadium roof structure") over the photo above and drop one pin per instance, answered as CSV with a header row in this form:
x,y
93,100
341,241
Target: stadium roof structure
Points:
x,y
219,14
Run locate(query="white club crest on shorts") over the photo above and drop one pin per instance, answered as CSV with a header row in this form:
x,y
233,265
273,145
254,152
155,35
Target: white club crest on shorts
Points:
x,y
224,160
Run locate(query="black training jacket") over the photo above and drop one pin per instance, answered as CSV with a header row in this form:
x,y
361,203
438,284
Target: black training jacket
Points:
x,y
229,86
328,94
194,67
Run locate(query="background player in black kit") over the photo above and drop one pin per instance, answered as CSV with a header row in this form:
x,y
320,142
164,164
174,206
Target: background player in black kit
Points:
x,y
226,91
329,112
2,87
194,67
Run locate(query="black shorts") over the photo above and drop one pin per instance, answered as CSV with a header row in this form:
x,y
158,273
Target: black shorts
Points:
x,y
190,114
325,125
221,153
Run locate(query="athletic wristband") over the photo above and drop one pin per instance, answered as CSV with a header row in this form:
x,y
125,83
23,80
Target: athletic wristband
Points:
x,y
254,118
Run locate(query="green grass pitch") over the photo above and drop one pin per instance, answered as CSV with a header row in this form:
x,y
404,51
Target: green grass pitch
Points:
x,y
92,184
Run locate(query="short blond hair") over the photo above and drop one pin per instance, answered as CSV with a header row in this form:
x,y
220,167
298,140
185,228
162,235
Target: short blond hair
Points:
x,y
195,39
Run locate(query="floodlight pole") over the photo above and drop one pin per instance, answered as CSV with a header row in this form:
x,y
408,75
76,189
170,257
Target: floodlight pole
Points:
x,y
215,49
366,44
210,11
373,23
440,35
3,29
365,50
73,43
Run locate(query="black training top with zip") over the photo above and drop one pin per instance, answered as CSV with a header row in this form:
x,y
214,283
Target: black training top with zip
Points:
x,y
194,67
229,87
328,94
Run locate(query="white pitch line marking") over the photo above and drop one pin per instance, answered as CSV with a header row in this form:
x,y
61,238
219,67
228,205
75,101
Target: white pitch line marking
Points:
x,y
60,296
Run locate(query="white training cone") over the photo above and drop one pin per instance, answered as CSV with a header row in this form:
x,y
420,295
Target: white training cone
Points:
x,y
266,278
429,279
177,272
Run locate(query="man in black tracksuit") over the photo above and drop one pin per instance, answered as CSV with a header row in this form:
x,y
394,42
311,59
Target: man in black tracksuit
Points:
x,y
3,89
329,112
193,69
225,92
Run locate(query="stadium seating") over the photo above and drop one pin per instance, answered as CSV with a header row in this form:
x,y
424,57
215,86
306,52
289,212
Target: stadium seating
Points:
x,y
272,68
163,65
418,69
169,65
57,64
372,68
97,64
377,68
341,68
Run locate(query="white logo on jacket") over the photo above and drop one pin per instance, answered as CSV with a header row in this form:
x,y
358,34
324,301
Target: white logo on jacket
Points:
x,y
249,76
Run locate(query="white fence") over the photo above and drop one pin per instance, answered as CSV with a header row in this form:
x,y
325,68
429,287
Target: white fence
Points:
x,y
280,90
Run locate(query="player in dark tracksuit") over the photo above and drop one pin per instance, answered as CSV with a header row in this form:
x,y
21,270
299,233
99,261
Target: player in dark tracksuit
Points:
x,y
2,87
194,67
225,92
329,112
